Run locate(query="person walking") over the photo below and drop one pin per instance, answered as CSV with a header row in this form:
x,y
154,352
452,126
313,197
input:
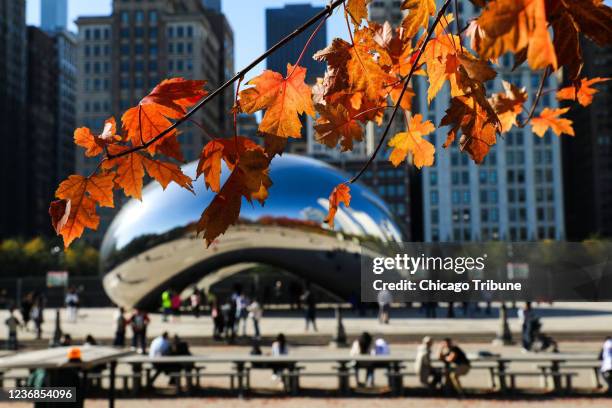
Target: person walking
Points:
x,y
37,314
196,302
526,317
72,304
12,323
457,362
120,323
166,304
606,363
139,322
218,321
229,318
384,299
176,306
241,312
255,314
310,302
26,308
428,375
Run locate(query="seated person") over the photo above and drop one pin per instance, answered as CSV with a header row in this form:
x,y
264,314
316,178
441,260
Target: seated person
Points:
x,y
160,346
429,376
457,362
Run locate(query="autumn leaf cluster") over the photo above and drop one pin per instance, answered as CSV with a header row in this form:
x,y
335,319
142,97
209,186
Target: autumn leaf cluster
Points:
x,y
369,73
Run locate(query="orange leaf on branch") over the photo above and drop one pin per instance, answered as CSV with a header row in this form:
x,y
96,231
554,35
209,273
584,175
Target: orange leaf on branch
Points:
x,y
582,91
283,98
337,125
508,104
358,10
76,208
249,179
419,12
549,118
412,141
513,26
472,114
167,101
94,145
340,194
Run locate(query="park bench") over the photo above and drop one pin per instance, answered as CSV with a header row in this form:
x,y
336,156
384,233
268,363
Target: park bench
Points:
x,y
196,374
508,379
564,366
18,380
291,378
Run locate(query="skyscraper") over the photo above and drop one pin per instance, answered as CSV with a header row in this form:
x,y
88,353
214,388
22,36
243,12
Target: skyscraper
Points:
x,y
53,15
123,56
587,158
281,22
213,5
42,74
13,154
515,195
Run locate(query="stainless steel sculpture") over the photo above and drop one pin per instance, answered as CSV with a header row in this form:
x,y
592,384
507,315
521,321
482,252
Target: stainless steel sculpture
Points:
x,y
151,245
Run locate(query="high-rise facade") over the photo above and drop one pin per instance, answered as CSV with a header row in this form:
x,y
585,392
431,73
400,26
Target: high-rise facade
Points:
x,y
42,73
213,5
515,195
124,55
587,158
53,15
13,154
281,22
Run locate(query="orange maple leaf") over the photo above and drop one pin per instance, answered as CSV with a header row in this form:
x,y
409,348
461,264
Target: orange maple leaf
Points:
x,y
515,25
358,10
478,122
412,141
340,194
418,15
167,101
94,145
508,104
582,91
549,118
249,179
228,150
336,125
284,99
78,210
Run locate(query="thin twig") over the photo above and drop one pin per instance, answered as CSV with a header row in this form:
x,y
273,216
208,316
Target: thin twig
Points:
x,y
312,36
328,10
399,99
536,99
458,24
202,128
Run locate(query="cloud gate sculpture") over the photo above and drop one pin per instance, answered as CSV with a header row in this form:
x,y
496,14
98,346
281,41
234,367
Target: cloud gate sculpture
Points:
x,y
152,245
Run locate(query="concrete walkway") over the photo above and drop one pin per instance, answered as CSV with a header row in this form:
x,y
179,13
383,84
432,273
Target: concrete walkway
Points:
x,y
565,321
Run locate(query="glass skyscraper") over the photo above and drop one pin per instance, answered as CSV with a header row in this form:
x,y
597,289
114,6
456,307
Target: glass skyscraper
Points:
x,y
53,15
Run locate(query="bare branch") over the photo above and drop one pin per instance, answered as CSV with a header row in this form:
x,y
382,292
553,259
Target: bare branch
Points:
x,y
545,75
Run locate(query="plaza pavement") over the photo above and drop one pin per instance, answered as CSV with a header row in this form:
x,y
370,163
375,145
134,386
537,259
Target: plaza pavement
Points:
x,y
564,321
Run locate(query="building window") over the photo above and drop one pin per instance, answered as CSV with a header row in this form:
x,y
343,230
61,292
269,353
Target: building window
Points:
x,y
170,32
87,34
189,31
180,31
152,17
435,216
139,16
434,197
433,177
97,34
125,17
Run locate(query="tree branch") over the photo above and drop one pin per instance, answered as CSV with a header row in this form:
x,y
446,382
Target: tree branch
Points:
x,y
399,99
536,99
325,12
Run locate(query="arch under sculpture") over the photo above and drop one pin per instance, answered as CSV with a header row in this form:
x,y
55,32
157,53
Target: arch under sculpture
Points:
x,y
151,244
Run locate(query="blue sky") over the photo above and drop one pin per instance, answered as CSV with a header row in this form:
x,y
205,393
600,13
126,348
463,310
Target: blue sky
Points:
x,y
246,17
